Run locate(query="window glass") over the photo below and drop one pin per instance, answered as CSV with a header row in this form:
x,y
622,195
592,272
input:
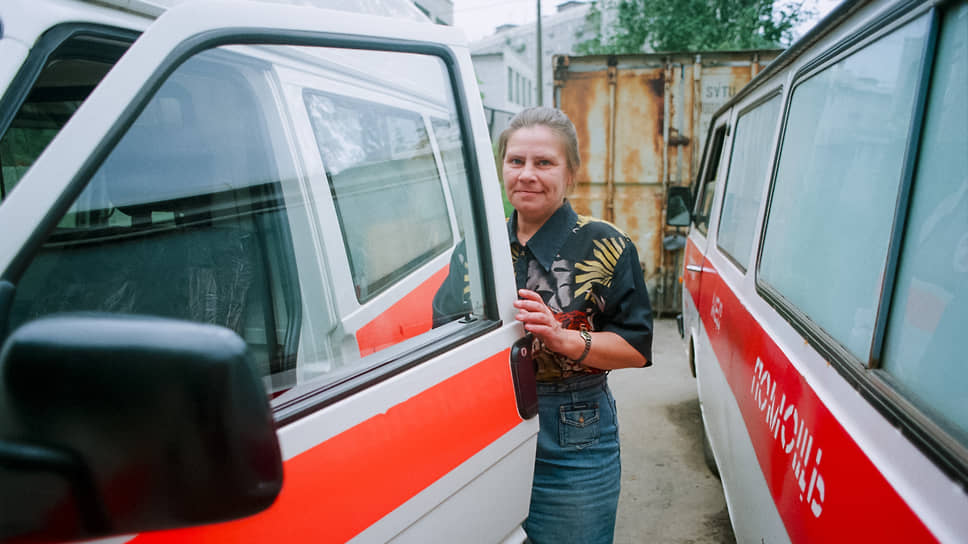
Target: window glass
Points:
x,y
68,76
833,200
386,187
392,154
925,341
745,178
181,220
709,180
447,135
207,210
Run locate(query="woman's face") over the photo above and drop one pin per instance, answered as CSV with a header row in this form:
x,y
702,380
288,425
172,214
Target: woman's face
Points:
x,y
536,175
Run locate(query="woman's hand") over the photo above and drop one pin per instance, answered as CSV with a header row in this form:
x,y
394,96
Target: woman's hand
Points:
x,y
540,321
609,350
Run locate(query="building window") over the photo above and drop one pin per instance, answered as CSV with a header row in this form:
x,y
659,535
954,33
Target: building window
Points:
x,y
510,85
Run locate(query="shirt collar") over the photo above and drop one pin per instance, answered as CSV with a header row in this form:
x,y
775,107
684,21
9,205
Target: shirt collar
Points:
x,y
546,243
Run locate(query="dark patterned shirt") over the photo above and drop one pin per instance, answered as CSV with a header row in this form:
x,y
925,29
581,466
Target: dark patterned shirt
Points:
x,y
587,271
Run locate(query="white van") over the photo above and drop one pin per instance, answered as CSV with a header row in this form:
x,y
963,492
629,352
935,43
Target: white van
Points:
x,y
222,232
826,282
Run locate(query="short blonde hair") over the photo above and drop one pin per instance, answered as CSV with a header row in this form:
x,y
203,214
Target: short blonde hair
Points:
x,y
554,119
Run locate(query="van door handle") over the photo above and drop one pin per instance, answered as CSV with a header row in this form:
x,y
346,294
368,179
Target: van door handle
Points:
x,y
693,268
523,370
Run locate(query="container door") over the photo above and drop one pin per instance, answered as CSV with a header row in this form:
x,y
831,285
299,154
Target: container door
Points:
x,y
308,179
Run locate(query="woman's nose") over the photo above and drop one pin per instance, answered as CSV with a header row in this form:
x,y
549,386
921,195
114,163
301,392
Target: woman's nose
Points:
x,y
527,171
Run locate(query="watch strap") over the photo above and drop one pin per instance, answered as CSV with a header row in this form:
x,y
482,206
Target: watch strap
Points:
x,y
587,337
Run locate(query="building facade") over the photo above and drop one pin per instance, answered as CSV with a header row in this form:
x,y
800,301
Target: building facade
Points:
x,y
438,11
561,32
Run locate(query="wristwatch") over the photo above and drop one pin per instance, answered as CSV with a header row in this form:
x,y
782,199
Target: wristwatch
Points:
x,y
587,337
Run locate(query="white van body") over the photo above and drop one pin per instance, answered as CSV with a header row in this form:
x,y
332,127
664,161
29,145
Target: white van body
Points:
x,y
302,177
824,267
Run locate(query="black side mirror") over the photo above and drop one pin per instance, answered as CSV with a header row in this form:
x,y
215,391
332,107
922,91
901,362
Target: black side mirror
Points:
x,y
678,206
115,425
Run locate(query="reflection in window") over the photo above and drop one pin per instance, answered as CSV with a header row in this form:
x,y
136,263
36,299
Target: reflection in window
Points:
x,y
199,212
926,342
745,179
69,75
837,183
386,187
182,220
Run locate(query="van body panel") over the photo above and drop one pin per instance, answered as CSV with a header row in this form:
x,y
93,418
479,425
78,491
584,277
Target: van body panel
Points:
x,y
13,54
434,448
744,485
428,436
790,428
768,391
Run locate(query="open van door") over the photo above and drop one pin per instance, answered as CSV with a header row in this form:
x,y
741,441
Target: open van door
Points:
x,y
302,179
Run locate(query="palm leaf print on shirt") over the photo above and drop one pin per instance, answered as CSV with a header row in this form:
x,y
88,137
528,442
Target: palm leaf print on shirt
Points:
x,y
516,253
600,269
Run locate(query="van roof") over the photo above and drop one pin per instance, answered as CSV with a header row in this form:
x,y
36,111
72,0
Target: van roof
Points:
x,y
401,9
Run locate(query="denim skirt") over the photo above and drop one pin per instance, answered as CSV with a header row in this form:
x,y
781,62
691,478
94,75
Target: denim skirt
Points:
x,y
578,470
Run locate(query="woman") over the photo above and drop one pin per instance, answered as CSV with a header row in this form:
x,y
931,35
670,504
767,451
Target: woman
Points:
x,y
583,298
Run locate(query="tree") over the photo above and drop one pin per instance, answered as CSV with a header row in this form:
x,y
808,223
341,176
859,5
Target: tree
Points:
x,y
694,25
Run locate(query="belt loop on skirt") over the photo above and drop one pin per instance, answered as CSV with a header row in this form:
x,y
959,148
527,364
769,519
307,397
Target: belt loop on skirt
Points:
x,y
573,383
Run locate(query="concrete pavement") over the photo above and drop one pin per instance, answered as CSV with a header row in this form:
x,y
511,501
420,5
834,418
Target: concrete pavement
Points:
x,y
668,494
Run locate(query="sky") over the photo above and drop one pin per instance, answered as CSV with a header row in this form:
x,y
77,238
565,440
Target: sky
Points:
x,y
479,18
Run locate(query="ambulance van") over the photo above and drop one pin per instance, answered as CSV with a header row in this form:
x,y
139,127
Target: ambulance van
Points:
x,y
222,226
825,283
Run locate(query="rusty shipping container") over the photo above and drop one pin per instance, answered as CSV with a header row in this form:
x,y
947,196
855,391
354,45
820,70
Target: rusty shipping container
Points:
x,y
642,122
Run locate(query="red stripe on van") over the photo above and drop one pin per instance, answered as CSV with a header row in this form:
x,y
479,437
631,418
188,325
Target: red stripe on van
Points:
x,y
824,486
339,488
408,317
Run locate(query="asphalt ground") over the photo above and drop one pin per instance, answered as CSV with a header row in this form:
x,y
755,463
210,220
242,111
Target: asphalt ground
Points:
x,y
668,493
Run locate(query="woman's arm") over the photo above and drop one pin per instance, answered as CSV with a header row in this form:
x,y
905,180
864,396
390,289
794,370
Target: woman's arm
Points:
x,y
609,351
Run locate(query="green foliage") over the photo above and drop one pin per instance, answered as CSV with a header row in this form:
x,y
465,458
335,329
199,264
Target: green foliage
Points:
x,y
694,25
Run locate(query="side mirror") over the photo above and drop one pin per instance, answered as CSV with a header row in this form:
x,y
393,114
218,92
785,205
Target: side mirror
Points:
x,y
115,425
678,206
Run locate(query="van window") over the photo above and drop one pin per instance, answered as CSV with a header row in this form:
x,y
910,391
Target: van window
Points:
x,y
837,182
66,76
925,340
708,186
746,178
219,205
183,219
385,184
